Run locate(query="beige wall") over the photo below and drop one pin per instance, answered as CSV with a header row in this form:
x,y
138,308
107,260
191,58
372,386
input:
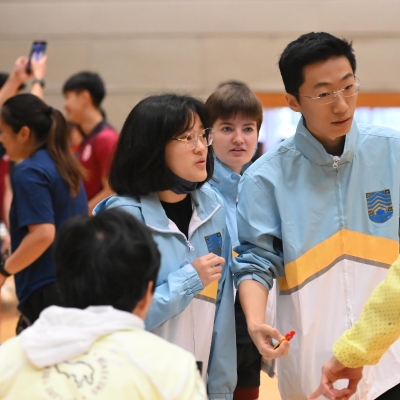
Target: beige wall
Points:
x,y
144,47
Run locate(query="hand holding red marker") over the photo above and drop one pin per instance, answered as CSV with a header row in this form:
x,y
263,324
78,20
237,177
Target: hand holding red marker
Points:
x,y
288,337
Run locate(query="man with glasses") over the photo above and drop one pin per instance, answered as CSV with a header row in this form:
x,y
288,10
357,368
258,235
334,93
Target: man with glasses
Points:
x,y
320,213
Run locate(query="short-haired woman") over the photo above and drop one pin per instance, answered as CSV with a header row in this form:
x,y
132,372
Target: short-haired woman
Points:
x,y
159,172
47,190
235,116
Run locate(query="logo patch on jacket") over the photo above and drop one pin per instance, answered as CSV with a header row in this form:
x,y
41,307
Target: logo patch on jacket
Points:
x,y
214,243
380,207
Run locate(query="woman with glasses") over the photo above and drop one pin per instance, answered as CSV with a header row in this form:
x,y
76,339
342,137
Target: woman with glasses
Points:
x,y
159,172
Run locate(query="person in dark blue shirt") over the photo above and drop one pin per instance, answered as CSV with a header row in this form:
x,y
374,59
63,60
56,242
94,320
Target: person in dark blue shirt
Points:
x,y
47,189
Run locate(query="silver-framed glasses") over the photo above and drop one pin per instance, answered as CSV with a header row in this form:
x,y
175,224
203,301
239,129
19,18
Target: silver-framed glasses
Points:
x,y
192,138
329,97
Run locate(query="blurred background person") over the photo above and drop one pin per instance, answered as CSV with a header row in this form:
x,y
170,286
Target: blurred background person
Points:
x,y
47,190
16,82
83,94
19,75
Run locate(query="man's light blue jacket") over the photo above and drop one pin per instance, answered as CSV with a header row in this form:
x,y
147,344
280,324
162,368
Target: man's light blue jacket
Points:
x,y
327,228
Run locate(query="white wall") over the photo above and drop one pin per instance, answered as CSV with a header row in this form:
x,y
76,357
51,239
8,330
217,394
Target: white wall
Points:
x,y
143,47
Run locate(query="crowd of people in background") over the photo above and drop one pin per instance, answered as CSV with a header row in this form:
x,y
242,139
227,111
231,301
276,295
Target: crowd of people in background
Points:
x,y
164,262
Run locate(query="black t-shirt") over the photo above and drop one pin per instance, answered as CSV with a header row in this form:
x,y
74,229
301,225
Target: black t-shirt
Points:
x,y
180,213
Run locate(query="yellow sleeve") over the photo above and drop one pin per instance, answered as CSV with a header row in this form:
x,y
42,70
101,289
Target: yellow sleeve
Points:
x,y
378,327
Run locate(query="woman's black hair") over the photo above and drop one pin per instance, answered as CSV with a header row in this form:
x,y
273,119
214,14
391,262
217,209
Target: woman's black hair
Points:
x,y
49,129
139,166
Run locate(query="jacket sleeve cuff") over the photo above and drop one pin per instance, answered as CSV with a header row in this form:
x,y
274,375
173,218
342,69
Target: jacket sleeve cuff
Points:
x,y
194,283
253,277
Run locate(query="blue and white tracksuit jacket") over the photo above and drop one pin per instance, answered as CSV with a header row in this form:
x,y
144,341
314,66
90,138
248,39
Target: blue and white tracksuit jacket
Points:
x,y
198,319
328,228
226,183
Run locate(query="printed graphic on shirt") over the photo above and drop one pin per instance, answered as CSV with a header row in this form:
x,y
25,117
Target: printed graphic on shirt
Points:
x,y
80,372
380,207
214,243
89,376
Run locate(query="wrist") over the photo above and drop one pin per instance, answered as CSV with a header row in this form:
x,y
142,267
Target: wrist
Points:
x,y
39,81
253,326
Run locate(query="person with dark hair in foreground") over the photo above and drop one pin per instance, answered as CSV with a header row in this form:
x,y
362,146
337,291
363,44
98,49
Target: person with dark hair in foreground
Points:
x,y
95,347
320,212
160,171
84,93
47,190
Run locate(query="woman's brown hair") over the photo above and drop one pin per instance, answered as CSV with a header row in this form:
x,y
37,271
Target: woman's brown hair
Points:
x,y
50,131
231,99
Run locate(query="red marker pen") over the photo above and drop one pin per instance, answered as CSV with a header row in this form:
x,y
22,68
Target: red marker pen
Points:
x,y
288,337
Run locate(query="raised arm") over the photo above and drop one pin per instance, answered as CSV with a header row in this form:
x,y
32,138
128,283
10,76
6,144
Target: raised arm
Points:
x,y
38,72
17,77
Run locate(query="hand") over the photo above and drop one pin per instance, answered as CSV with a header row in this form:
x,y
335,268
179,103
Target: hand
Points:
x,y
19,73
261,335
209,268
332,371
39,68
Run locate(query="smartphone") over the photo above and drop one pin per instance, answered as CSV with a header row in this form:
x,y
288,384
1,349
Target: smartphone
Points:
x,y
38,50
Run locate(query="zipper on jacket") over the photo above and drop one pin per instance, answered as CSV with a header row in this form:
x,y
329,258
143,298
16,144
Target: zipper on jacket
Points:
x,y
191,231
191,248
345,275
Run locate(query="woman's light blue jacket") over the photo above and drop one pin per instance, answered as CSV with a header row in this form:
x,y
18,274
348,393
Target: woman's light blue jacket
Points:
x,y
198,319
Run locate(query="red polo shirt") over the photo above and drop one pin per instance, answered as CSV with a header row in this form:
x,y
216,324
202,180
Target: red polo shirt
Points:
x,y
95,155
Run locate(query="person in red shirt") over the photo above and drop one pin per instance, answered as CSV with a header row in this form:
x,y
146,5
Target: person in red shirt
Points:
x,y
83,93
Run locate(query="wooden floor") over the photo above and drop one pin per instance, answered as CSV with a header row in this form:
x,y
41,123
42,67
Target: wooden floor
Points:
x,y
8,321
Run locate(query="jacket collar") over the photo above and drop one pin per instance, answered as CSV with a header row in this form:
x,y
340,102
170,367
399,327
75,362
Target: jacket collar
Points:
x,y
225,180
313,150
154,214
